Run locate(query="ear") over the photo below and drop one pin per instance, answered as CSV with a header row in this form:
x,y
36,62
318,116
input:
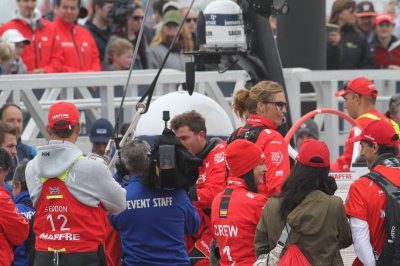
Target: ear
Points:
x,y
48,130
375,147
78,128
202,134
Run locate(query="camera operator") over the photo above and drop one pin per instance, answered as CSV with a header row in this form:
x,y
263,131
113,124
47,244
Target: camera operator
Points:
x,y
145,239
127,19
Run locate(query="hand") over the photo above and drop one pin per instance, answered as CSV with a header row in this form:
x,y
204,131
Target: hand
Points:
x,y
334,37
38,71
393,67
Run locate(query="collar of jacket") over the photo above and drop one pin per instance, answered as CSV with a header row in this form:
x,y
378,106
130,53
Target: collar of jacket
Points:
x,y
34,22
234,182
256,120
387,159
60,23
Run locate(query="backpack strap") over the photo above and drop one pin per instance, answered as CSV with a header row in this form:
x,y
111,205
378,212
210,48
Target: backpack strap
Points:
x,y
392,213
246,132
224,204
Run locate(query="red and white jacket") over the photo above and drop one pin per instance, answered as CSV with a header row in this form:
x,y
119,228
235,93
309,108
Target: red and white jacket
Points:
x,y
277,160
79,48
14,227
44,51
234,217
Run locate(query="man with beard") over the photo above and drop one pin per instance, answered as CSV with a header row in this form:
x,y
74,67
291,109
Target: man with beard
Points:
x,y
162,41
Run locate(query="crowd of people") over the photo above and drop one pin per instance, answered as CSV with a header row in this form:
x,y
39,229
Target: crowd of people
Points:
x,y
56,42
68,208
63,207
358,37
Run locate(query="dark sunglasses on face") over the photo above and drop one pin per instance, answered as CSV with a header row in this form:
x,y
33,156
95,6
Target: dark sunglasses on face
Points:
x,y
188,20
137,18
279,105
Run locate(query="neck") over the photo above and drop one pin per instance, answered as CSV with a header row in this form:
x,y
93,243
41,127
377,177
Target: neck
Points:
x,y
99,23
364,109
384,41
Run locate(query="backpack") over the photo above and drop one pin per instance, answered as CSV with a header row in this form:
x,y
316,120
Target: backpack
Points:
x,y
390,254
292,255
247,132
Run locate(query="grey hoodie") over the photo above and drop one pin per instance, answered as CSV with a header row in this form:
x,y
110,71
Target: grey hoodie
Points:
x,y
89,180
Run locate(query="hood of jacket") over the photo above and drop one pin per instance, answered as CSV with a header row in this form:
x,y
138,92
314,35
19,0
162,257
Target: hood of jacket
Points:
x,y
55,158
33,22
310,215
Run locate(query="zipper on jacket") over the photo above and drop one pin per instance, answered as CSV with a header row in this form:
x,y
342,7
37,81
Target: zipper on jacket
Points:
x,y
83,54
40,51
35,49
76,48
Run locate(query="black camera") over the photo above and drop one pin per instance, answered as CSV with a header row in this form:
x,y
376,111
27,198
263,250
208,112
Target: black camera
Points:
x,y
121,10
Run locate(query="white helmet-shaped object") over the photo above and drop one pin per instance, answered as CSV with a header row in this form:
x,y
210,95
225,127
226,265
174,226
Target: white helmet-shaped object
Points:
x,y
217,120
224,26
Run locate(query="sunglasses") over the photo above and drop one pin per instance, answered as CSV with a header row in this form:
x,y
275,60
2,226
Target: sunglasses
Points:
x,y
137,18
188,20
279,105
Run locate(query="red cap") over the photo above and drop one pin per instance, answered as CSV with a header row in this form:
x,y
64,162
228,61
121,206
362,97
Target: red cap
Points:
x,y
361,86
385,17
378,131
63,111
311,149
243,156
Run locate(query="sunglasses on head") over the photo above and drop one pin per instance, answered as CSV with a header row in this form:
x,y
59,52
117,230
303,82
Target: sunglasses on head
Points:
x,y
137,18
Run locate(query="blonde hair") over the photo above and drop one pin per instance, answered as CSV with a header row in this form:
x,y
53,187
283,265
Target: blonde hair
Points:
x,y
118,47
186,36
245,101
6,52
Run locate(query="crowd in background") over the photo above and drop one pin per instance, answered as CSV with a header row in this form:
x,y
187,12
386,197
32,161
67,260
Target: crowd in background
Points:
x,y
357,37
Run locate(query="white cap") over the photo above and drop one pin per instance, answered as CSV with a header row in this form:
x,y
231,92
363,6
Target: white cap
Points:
x,y
173,4
14,36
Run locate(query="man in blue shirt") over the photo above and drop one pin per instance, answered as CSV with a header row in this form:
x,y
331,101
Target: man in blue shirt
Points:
x,y
24,204
153,226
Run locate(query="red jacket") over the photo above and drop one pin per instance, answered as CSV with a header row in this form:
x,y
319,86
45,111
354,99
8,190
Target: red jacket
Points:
x,y
212,176
385,57
343,163
277,156
79,48
211,181
44,50
366,202
14,227
234,224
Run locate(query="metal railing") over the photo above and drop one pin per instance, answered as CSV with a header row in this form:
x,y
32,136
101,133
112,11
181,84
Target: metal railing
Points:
x,y
96,93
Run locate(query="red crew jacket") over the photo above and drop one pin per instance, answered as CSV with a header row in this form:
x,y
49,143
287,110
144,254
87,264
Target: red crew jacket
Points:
x,y
343,163
366,201
14,227
63,223
79,48
234,226
44,50
277,155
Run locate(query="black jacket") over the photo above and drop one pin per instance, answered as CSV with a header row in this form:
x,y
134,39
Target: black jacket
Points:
x,y
352,52
100,36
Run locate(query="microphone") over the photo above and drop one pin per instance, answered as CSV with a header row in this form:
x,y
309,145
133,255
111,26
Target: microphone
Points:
x,y
190,77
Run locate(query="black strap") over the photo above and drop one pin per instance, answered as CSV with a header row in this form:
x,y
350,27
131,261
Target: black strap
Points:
x,y
392,204
224,205
246,132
